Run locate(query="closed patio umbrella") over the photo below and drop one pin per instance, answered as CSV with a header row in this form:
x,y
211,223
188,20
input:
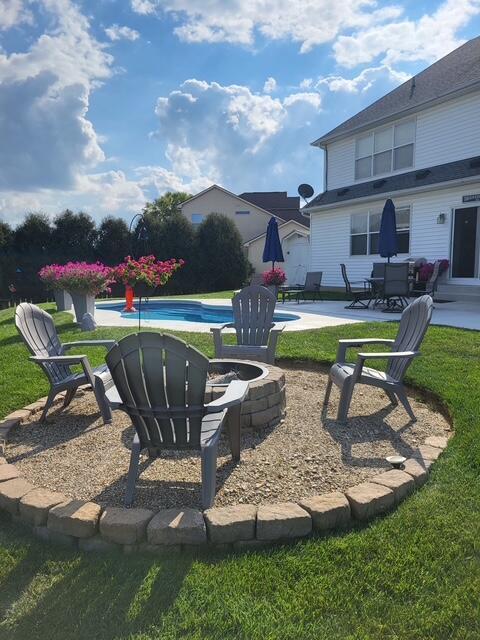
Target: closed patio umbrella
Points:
x,y
387,241
272,252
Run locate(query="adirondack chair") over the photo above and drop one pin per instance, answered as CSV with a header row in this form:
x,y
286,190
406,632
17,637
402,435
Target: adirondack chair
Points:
x,y
40,335
413,325
160,383
257,335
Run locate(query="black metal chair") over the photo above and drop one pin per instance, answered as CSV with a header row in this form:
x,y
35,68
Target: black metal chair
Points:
x,y
361,298
396,289
311,290
430,286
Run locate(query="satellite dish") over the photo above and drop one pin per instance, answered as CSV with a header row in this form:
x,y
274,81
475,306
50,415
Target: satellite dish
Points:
x,y
305,191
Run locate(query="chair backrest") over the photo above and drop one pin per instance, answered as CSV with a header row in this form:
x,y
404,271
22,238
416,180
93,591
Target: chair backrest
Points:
x,y
39,333
396,280
378,270
253,309
257,279
313,280
348,286
413,326
161,382
432,281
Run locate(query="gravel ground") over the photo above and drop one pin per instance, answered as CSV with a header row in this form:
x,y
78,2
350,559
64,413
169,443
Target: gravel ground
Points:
x,y
305,455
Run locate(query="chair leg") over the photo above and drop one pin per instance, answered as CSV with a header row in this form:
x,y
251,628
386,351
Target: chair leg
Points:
x,y
234,429
69,397
402,396
48,404
209,473
392,397
132,472
101,398
345,399
328,390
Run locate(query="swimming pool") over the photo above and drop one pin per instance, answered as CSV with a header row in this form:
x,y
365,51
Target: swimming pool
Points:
x,y
189,311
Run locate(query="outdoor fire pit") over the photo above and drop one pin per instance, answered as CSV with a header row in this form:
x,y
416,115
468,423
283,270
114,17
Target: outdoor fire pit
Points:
x,y
265,402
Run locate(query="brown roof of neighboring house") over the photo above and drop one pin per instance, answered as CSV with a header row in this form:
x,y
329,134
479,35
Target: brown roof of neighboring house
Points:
x,y
279,203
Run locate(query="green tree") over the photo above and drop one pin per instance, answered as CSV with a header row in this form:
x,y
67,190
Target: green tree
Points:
x,y
173,237
6,236
220,258
113,240
74,236
32,249
33,235
166,205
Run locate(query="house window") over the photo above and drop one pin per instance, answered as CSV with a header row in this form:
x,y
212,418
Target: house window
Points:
x,y
242,213
365,231
197,218
385,150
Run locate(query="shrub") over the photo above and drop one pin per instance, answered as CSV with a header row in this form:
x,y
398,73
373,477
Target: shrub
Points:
x,y
146,270
78,277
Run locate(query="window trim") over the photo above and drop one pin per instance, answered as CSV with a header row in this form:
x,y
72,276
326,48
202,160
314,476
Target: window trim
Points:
x,y
242,212
392,149
369,233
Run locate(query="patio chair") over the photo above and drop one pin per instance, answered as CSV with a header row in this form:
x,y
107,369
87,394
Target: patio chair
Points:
x,y
421,288
256,333
311,289
40,335
361,298
396,288
160,383
413,326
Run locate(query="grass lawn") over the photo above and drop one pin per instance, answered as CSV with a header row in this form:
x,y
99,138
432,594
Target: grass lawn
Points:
x,y
414,574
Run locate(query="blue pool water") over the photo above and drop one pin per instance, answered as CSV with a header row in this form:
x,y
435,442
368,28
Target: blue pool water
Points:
x,y
185,311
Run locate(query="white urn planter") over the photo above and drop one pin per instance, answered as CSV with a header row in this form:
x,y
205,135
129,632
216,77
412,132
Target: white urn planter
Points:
x,y
63,300
83,303
274,288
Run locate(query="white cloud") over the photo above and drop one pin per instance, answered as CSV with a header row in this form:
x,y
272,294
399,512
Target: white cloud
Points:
x,y
428,38
309,22
13,12
144,7
270,85
116,32
361,82
230,135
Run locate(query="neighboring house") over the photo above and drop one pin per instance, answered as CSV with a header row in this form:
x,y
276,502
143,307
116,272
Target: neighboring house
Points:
x,y
420,146
251,212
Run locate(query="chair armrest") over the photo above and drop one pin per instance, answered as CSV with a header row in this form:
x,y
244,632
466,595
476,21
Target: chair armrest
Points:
x,y
277,328
388,354
59,359
234,394
343,345
89,343
229,325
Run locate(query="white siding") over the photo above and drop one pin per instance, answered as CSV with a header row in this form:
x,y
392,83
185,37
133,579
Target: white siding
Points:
x,y
330,233
448,132
341,163
444,133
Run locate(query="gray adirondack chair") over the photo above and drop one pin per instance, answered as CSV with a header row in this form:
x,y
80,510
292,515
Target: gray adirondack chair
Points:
x,y
413,326
160,383
38,331
257,335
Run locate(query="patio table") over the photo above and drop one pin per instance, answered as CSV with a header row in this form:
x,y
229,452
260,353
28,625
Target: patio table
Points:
x,y
287,292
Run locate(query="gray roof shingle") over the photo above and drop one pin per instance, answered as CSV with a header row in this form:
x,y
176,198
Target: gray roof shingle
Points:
x,y
457,170
457,71
277,202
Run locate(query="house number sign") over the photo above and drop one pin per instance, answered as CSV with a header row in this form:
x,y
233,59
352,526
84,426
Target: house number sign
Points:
x,y
475,197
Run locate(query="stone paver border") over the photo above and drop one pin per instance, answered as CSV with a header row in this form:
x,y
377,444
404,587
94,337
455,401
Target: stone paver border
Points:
x,y
89,527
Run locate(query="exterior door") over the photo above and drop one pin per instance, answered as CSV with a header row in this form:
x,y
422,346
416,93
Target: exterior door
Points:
x,y
296,251
465,243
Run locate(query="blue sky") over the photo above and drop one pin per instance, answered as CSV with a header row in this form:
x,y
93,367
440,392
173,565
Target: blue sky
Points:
x,y
105,104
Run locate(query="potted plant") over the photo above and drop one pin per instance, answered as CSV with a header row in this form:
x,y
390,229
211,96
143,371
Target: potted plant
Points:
x,y
141,277
49,275
83,281
273,279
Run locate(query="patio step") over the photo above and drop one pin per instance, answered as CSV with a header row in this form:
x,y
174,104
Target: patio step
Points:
x,y
458,292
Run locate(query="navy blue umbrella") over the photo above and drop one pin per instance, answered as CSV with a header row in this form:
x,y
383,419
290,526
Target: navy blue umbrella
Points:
x,y
272,252
387,241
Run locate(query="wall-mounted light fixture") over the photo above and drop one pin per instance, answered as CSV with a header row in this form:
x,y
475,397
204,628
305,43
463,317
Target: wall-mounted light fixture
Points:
x,y
441,218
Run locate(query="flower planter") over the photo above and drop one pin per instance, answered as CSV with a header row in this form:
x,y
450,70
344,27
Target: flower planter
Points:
x,y
63,300
274,289
83,303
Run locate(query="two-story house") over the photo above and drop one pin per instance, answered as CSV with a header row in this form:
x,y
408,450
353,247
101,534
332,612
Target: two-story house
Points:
x,y
250,212
420,146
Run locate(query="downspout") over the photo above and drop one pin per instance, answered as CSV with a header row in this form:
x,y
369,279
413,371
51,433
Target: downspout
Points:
x,y
325,169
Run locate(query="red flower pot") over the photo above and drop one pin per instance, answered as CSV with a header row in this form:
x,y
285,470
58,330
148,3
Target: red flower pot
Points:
x,y
129,293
